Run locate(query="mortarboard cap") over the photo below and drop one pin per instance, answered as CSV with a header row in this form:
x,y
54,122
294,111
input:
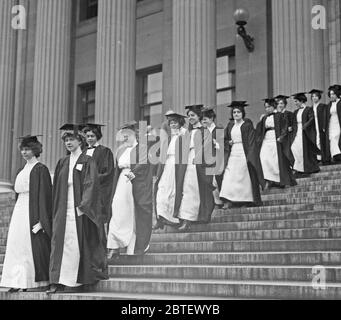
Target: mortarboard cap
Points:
x,y
238,104
300,96
29,138
281,96
313,91
72,129
195,108
169,113
175,115
270,101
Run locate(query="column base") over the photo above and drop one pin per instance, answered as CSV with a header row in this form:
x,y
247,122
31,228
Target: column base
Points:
x,y
6,187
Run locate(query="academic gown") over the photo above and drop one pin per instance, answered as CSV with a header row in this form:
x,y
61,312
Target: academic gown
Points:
x,y
202,146
310,149
142,194
283,148
104,160
86,189
289,118
328,116
252,157
322,118
40,210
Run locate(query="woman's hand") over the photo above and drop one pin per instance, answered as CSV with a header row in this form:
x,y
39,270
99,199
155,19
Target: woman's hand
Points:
x,y
231,143
130,176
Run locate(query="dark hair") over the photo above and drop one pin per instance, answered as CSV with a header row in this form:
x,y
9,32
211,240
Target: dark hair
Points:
x,y
96,132
36,147
241,109
197,112
336,91
209,114
302,99
284,100
76,136
180,120
318,94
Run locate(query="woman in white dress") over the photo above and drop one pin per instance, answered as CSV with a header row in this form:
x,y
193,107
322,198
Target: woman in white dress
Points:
x,y
130,226
334,122
194,199
243,173
26,264
165,187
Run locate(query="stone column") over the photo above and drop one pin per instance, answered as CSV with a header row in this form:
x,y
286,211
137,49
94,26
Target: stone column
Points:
x,y
116,65
298,49
8,38
334,41
194,53
51,87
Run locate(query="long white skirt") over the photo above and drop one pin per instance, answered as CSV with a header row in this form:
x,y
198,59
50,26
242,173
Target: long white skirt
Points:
x,y
122,232
71,253
190,204
18,270
237,185
165,197
334,135
269,157
297,150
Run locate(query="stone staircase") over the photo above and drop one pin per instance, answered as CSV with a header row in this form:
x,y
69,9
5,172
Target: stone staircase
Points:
x,y
267,252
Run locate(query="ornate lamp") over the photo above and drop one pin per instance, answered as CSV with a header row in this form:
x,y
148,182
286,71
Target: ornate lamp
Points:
x,y
241,16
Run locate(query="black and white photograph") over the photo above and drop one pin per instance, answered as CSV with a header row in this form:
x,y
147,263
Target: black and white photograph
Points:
x,y
170,151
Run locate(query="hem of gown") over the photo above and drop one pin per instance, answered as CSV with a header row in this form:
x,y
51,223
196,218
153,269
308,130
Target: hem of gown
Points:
x,y
34,285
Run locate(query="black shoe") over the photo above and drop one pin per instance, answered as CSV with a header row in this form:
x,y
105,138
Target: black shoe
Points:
x,y
13,290
159,225
113,254
53,289
186,226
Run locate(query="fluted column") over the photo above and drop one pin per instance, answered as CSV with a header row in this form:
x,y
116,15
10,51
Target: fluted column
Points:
x,y
7,87
334,41
51,76
298,49
116,65
194,52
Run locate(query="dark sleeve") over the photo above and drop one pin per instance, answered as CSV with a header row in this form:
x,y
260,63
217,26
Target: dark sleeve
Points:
x,y
107,166
90,204
311,119
284,126
142,161
54,186
45,200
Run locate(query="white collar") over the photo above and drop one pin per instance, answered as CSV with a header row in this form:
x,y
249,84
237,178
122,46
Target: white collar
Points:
x,y
212,127
197,126
77,153
32,161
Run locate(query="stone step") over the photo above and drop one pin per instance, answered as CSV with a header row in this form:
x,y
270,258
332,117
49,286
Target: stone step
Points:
x,y
260,225
331,258
300,189
222,288
312,233
247,245
103,296
214,272
333,167
322,206
226,216
302,200
304,194
326,179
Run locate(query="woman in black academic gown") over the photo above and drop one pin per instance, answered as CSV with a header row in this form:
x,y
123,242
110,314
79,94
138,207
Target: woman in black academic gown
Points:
x,y
26,264
243,174
275,151
104,159
208,121
320,114
130,226
334,122
76,216
194,200
304,146
282,103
